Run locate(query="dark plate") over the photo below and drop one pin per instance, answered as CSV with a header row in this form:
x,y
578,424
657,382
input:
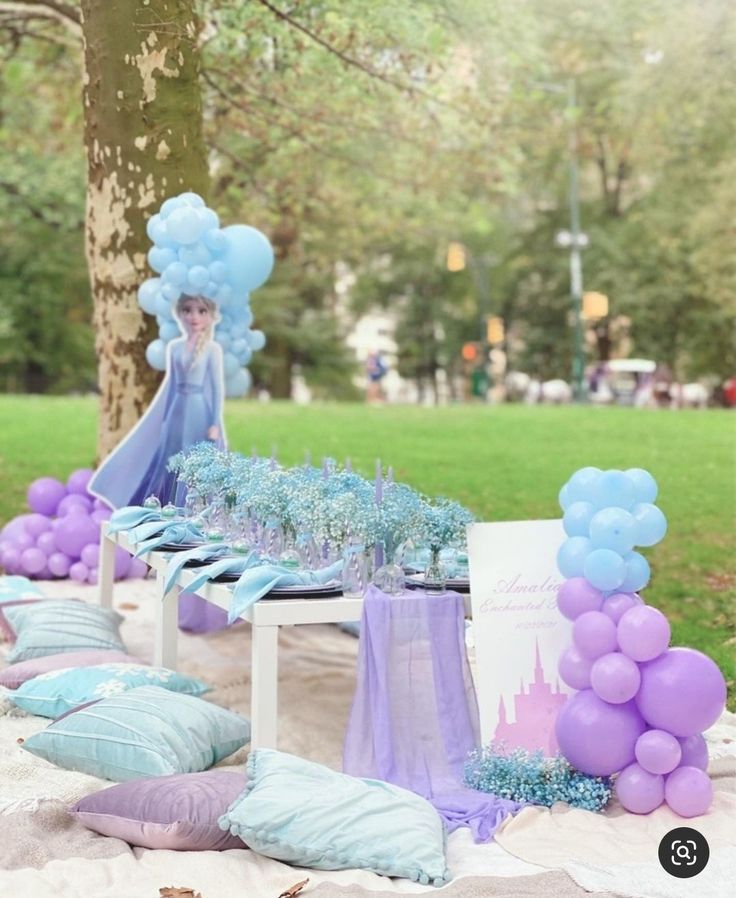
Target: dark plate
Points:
x,y
177,547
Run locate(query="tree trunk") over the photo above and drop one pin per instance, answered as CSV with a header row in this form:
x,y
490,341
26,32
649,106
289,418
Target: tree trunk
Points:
x,y
144,143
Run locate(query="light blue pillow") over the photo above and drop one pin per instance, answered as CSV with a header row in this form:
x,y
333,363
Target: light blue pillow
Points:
x,y
306,814
52,627
146,731
59,691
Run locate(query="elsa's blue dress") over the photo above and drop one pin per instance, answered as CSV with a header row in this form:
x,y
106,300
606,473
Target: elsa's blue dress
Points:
x,y
187,404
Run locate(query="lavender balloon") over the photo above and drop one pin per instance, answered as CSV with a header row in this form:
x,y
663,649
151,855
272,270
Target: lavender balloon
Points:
x,y
615,678
74,532
11,560
45,494
79,572
90,555
694,752
46,542
576,596
594,634
658,751
59,564
73,503
33,561
78,480
123,562
574,668
37,525
643,633
616,605
638,790
688,791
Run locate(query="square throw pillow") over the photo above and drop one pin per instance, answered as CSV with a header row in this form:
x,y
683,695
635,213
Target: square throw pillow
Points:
x,y
12,677
51,627
16,591
147,731
58,691
303,813
178,813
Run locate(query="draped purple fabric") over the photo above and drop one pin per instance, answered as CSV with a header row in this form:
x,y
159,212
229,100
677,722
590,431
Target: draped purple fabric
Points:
x,y
199,616
414,717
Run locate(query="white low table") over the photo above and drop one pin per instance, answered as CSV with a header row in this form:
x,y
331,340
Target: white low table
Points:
x,y
265,618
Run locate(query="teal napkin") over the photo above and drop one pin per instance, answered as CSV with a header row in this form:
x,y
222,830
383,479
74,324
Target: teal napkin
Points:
x,y
256,582
209,551
131,516
172,533
235,564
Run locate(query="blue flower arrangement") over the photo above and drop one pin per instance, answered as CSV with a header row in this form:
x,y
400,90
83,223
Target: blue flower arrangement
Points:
x,y
527,776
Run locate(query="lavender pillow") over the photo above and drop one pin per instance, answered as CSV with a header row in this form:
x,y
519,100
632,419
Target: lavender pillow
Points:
x,y
176,812
16,674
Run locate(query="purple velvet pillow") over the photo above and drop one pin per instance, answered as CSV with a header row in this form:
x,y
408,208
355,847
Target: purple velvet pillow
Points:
x,y
176,812
17,674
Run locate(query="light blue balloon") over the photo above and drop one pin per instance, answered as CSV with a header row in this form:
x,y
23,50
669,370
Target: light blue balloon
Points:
x,y
230,365
613,528
175,274
218,271
185,225
169,330
209,290
159,258
637,573
156,355
256,340
572,554
645,486
215,241
210,219
159,233
198,277
169,205
152,224
170,292
196,254
148,294
563,497
651,524
239,384
163,308
604,569
580,485
613,488
224,294
576,519
249,257
191,199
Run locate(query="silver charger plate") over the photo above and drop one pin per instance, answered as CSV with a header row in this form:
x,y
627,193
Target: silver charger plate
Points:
x,y
459,584
177,547
315,589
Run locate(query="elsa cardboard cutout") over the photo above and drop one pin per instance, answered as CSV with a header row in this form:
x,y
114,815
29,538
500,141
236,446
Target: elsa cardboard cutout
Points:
x,y
186,409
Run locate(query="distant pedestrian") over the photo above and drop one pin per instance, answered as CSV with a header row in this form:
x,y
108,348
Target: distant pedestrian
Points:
x,y
375,369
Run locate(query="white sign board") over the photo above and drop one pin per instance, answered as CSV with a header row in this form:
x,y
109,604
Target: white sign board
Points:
x,y
519,634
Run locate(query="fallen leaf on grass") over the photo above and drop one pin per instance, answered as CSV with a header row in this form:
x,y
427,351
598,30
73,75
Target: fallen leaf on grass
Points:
x,y
294,890
176,892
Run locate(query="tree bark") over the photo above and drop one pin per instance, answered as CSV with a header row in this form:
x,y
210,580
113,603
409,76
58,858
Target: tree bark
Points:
x,y
144,143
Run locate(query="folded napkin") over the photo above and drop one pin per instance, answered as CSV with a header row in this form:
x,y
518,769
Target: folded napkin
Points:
x,y
206,552
256,582
234,564
131,516
171,533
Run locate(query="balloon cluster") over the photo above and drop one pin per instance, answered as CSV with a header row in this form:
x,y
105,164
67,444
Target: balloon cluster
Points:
x,y
61,535
642,706
195,257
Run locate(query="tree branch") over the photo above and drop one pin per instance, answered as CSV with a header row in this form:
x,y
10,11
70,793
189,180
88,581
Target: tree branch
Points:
x,y
66,13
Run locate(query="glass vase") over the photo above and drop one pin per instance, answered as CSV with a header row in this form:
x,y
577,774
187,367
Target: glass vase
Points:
x,y
434,573
354,570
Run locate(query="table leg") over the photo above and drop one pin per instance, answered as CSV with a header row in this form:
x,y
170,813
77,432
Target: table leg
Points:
x,y
106,570
167,632
264,687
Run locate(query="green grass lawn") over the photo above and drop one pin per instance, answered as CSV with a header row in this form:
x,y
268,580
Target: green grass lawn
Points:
x,y
505,463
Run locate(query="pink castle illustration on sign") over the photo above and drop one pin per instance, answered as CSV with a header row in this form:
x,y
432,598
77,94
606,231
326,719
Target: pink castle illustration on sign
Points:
x,y
535,712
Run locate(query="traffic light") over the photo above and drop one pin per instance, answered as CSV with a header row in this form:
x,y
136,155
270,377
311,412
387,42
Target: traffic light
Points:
x,y
494,330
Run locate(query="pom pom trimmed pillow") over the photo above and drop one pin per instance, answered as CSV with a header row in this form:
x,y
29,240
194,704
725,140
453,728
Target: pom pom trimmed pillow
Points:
x,y
146,731
302,813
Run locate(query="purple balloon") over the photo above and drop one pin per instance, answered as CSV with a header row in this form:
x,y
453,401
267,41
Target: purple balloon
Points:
x,y
74,533
616,605
615,678
90,555
123,560
79,571
59,564
45,494
78,480
643,633
47,543
23,541
37,524
574,668
99,505
101,514
596,737
638,790
694,752
658,751
33,561
92,575
682,692
14,527
137,569
688,791
11,560
576,596
73,503
594,634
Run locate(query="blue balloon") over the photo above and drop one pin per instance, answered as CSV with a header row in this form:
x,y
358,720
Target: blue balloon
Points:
x,y
160,258
198,277
196,254
577,517
223,338
230,365
256,340
170,292
153,223
604,569
249,257
224,294
218,271
572,554
156,355
209,290
651,524
209,218
239,384
191,199
613,528
159,233
169,205
580,485
637,573
215,241
645,485
563,497
175,274
163,308
169,330
613,488
185,225
148,294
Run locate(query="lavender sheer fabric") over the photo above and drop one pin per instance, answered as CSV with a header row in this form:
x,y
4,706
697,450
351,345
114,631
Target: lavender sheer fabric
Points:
x,y
414,716
199,616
